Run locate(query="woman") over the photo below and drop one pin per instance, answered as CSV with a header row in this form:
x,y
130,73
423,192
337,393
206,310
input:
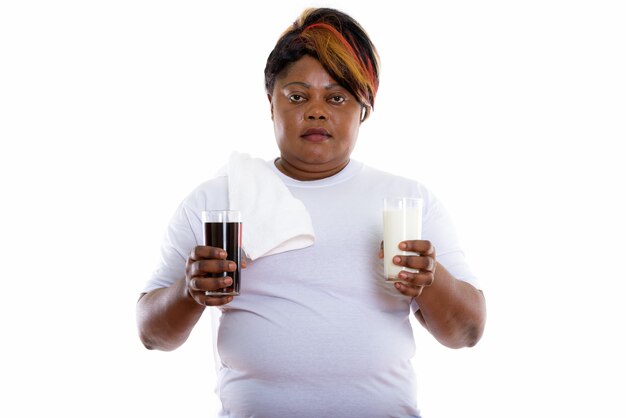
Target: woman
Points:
x,y
317,331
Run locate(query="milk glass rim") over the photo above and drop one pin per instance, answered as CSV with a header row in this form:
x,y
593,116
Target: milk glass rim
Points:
x,y
392,201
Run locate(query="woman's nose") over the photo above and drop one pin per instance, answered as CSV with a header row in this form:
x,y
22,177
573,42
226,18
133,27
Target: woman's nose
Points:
x,y
316,110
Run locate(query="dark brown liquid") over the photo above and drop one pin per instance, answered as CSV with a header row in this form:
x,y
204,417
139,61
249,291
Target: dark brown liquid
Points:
x,y
226,235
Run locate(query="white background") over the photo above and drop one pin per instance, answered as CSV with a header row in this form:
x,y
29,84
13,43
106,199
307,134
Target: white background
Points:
x,y
512,112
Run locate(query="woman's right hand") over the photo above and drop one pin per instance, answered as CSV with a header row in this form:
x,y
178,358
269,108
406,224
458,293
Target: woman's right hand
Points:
x,y
202,262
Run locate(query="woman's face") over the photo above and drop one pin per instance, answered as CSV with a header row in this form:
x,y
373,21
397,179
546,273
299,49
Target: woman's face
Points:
x,y
316,121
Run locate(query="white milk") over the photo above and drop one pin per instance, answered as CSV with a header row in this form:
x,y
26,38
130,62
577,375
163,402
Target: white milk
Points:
x,y
402,221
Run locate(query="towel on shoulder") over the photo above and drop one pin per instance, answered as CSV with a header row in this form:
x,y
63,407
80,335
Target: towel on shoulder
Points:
x,y
274,221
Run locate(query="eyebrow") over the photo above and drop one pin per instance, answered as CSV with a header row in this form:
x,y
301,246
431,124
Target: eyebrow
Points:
x,y
306,85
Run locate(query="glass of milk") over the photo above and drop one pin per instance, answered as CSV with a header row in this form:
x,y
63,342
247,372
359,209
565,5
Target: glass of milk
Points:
x,y
402,221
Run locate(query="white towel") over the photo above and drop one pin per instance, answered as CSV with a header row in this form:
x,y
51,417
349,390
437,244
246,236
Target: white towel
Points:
x,y
273,220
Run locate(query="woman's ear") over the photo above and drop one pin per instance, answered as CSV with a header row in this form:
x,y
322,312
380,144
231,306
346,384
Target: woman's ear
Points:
x,y
364,112
269,97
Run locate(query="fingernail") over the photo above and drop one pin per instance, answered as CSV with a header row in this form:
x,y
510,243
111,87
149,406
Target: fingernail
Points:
x,y
396,260
402,275
402,245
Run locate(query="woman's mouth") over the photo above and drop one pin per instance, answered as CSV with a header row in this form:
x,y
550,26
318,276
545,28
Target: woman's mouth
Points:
x,y
315,135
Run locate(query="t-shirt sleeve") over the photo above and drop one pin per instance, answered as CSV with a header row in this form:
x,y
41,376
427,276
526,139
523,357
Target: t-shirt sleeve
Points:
x,y
184,232
178,241
439,229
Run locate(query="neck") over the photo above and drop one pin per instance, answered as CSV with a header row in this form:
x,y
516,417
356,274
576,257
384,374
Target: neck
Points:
x,y
307,175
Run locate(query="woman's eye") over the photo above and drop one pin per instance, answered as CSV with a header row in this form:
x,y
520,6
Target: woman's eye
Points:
x,y
337,99
296,98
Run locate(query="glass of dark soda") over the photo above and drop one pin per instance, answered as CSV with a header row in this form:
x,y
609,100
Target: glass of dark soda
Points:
x,y
222,229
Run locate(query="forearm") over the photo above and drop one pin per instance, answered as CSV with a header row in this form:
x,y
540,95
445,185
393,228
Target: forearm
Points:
x,y
453,311
165,317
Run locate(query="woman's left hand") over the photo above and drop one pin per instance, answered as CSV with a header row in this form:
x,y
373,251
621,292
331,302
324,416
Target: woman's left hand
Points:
x,y
425,261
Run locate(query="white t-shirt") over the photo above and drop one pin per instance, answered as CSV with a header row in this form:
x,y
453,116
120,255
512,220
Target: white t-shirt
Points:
x,y
317,332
